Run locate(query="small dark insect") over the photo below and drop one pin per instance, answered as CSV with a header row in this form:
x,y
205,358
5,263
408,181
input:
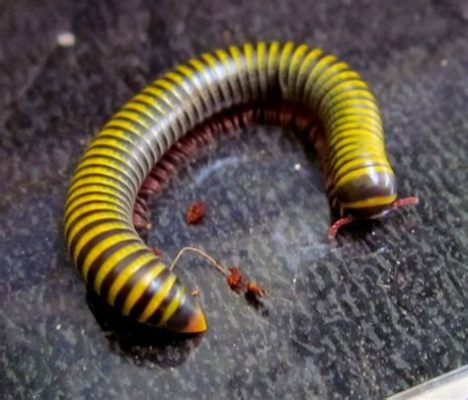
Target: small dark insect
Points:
x,y
195,213
236,281
255,289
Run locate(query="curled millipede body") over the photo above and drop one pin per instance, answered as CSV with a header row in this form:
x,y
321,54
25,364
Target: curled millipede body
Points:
x,y
285,84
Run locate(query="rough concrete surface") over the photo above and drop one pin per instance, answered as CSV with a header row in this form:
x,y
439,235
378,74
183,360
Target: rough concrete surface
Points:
x,y
382,308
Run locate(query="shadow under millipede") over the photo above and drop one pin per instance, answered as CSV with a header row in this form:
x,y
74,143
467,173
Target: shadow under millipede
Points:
x,y
142,344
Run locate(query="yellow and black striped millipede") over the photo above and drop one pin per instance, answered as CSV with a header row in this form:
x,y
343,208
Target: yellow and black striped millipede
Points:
x,y
102,240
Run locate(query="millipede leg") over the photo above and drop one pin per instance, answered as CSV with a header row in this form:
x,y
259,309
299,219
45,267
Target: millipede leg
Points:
x,y
405,201
281,114
333,229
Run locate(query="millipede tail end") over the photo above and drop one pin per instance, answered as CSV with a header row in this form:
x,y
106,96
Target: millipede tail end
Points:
x,y
189,320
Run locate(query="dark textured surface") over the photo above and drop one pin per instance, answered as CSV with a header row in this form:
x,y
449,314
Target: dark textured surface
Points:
x,y
381,309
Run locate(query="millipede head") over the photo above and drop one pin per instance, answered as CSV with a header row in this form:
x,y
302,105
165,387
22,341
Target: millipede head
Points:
x,y
371,213
370,195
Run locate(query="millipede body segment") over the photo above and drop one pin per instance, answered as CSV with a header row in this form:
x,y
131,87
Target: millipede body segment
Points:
x,y
100,234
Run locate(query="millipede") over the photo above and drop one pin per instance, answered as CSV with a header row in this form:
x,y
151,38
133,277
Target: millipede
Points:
x,y
286,84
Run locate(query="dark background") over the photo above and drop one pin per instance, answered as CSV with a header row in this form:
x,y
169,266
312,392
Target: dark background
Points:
x,y
380,309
